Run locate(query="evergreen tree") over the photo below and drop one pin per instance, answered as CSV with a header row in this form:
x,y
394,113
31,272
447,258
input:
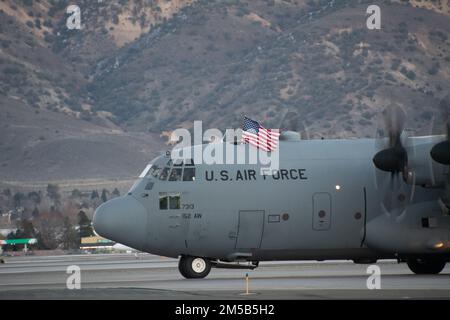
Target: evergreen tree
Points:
x,y
70,238
18,198
53,194
104,197
85,227
116,193
94,194
35,212
76,193
25,230
35,197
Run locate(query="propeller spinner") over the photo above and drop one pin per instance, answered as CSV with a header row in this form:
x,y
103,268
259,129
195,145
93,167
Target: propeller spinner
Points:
x,y
441,152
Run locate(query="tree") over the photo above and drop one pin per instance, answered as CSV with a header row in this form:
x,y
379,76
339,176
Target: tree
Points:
x,y
35,212
70,238
54,194
25,230
94,194
104,197
116,193
49,226
18,198
34,197
7,192
76,193
85,227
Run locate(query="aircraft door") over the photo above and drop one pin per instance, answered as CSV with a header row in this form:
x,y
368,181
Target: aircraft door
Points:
x,y
321,211
250,229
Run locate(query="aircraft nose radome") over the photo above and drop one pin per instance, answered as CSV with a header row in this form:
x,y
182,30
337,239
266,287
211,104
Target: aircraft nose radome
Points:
x,y
122,220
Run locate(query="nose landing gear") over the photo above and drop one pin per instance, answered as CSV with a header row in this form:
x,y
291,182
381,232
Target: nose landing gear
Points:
x,y
194,267
426,266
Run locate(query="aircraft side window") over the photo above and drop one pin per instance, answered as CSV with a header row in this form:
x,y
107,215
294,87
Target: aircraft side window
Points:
x,y
149,186
163,201
170,201
174,202
175,174
164,174
189,174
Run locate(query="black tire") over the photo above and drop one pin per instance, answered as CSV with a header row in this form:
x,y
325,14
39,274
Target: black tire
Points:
x,y
194,267
181,268
426,266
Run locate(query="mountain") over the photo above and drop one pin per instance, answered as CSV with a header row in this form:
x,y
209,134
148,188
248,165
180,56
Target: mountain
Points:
x,y
136,69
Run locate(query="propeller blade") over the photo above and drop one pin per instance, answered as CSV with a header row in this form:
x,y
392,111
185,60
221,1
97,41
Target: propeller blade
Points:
x,y
444,105
394,158
395,119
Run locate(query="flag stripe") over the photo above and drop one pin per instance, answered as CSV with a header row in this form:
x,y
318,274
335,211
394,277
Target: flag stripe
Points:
x,y
261,135
264,143
261,146
258,136
261,142
250,136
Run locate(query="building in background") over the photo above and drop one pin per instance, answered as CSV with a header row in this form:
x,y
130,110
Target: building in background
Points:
x,y
96,243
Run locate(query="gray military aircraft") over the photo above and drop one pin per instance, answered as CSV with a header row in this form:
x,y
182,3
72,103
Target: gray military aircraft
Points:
x,y
360,200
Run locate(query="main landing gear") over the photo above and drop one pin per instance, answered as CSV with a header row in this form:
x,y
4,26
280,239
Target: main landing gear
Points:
x,y
194,267
426,265
198,267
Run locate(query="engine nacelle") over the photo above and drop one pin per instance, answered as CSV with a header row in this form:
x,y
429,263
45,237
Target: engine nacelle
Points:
x,y
407,235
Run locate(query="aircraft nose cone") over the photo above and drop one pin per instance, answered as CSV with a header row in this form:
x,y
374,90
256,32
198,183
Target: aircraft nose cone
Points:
x,y
123,220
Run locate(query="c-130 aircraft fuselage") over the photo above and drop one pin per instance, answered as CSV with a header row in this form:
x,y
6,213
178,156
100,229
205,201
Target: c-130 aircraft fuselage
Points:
x,y
327,201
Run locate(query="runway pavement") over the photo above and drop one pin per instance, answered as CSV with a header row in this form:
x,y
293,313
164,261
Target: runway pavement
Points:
x,y
125,276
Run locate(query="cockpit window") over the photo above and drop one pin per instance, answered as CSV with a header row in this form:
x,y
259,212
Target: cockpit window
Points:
x,y
164,174
178,163
154,171
175,174
176,170
189,174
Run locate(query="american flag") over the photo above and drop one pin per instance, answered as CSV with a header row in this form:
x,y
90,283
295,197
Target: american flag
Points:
x,y
258,136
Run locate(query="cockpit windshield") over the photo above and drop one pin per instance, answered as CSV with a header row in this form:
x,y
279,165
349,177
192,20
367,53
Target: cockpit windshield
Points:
x,y
164,169
178,170
168,170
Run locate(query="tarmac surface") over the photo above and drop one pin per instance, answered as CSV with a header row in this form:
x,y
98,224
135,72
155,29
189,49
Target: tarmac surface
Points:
x,y
145,276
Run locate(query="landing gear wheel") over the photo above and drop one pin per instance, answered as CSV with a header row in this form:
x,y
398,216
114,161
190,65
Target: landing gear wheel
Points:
x,y
194,267
426,266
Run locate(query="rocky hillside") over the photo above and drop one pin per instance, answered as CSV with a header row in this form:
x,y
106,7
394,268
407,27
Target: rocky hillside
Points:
x,y
138,68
